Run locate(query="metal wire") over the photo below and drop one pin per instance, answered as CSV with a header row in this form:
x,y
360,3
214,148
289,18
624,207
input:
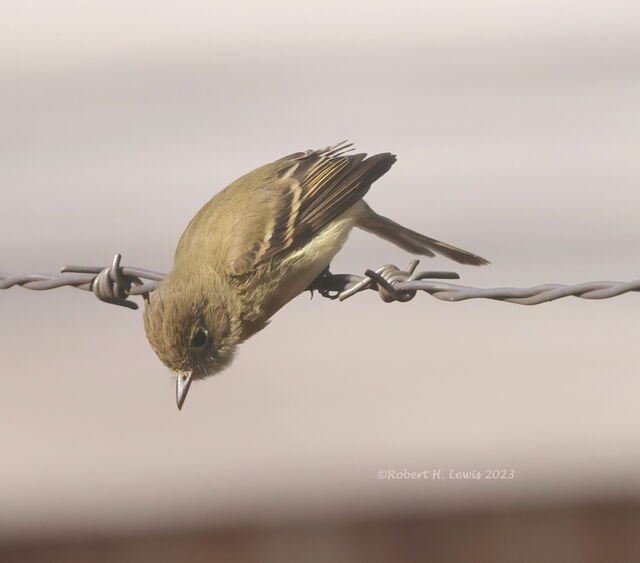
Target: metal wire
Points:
x,y
115,284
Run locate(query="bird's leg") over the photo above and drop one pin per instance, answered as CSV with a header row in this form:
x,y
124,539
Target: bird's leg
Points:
x,y
331,285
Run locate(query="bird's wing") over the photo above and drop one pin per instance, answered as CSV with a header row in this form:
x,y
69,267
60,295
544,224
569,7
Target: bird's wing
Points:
x,y
308,191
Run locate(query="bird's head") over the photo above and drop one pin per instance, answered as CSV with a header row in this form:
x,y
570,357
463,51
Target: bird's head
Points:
x,y
194,333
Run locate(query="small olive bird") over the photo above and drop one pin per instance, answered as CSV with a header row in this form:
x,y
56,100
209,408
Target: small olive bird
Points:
x,y
259,243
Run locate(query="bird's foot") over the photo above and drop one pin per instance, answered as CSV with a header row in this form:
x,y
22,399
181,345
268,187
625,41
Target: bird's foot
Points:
x,y
387,281
332,285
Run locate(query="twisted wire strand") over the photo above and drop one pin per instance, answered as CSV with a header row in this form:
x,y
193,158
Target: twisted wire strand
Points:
x,y
523,295
115,284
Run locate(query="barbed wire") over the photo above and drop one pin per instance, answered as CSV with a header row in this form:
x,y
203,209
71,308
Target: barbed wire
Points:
x,y
112,284
115,284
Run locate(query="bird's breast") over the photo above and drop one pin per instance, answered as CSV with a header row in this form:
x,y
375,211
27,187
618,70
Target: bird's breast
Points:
x,y
294,273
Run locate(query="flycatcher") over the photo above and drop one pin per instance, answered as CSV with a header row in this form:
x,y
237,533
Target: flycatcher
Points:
x,y
259,243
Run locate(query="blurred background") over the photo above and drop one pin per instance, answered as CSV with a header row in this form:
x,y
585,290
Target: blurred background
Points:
x,y
516,126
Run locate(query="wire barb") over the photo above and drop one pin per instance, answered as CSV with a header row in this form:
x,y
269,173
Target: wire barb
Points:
x,y
116,284
110,284
385,281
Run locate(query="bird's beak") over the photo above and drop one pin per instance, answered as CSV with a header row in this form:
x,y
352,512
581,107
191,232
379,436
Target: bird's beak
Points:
x,y
183,382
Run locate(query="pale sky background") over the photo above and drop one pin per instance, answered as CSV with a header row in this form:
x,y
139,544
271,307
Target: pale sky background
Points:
x,y
517,127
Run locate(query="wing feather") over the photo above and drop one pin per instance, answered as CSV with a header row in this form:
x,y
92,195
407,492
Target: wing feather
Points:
x,y
310,189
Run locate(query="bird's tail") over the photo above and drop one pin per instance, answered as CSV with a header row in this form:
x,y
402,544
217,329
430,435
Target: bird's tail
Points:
x,y
413,242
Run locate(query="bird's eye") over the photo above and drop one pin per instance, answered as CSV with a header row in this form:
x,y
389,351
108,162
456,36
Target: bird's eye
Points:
x,y
199,338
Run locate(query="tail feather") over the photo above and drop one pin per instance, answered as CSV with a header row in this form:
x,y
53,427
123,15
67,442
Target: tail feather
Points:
x,y
414,242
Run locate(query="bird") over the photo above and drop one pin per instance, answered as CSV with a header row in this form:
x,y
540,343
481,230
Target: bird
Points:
x,y
259,243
